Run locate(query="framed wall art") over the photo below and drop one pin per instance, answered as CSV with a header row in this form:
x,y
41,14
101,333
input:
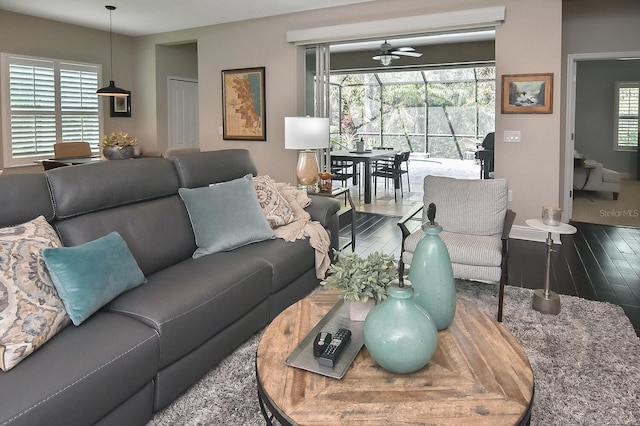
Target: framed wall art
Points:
x,y
527,93
243,104
120,106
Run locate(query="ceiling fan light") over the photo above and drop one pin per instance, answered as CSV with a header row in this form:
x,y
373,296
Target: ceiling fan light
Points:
x,y
385,59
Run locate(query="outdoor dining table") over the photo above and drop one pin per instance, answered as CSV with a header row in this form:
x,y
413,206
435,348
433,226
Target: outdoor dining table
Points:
x,y
366,158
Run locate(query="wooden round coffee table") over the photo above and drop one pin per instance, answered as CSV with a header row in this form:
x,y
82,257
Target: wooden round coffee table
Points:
x,y
478,375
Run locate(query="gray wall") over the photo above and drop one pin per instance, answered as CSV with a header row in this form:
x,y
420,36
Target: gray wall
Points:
x,y
595,99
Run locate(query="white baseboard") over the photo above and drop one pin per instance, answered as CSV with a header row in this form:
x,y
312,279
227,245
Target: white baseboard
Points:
x,y
523,232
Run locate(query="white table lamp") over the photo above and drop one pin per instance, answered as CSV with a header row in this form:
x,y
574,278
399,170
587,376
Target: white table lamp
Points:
x,y
306,134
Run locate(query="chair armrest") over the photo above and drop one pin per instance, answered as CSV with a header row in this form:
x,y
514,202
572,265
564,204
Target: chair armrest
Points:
x,y
509,218
402,222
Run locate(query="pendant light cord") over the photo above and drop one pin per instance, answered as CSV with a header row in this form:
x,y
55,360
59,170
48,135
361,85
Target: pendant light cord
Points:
x,y
111,9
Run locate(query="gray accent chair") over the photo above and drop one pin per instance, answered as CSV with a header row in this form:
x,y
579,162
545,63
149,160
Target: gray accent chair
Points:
x,y
476,224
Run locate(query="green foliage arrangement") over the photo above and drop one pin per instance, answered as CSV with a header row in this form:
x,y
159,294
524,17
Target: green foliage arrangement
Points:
x,y
362,278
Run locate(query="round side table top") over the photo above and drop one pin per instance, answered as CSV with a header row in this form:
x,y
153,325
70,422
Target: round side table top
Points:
x,y
562,228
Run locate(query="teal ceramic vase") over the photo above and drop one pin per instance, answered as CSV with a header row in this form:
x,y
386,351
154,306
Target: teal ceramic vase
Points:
x,y
432,277
399,335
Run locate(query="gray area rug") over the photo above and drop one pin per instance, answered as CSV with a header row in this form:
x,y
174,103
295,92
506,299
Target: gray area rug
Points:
x,y
586,364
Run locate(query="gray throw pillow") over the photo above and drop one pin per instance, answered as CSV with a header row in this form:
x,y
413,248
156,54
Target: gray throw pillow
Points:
x,y
225,216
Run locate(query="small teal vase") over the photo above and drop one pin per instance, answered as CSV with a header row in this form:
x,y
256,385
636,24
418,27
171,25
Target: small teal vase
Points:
x,y
432,277
399,335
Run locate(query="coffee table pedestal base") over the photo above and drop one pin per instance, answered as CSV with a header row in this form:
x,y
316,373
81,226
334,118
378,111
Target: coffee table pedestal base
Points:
x,y
547,305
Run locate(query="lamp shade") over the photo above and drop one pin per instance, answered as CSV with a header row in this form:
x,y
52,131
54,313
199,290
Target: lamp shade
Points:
x,y
112,90
306,132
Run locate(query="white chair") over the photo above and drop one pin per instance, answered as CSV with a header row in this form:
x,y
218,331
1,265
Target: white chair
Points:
x,y
476,224
470,147
589,175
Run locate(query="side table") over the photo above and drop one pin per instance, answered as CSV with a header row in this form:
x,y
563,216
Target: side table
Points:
x,y
336,192
545,300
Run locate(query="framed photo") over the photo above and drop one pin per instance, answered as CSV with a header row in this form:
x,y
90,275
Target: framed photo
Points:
x,y
243,105
527,93
120,106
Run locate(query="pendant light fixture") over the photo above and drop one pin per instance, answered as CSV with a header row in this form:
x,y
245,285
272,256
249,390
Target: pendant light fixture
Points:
x,y
111,89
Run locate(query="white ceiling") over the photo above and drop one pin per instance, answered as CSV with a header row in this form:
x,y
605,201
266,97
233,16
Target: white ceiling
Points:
x,y
143,17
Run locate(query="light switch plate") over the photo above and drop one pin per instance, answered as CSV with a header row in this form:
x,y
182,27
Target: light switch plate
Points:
x,y
512,135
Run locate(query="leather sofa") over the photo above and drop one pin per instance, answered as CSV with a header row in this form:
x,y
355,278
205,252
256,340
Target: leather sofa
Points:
x,y
140,351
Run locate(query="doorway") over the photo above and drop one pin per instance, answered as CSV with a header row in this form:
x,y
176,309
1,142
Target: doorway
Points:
x,y
183,113
597,143
439,113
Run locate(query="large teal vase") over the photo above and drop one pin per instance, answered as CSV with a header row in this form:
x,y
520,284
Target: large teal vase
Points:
x,y
399,335
432,277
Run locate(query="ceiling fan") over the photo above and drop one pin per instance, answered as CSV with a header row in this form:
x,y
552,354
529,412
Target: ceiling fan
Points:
x,y
387,53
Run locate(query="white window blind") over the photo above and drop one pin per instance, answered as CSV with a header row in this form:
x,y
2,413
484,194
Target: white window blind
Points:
x,y
49,101
626,117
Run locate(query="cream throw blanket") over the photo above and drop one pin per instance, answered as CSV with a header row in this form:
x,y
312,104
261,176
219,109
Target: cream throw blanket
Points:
x,y
304,227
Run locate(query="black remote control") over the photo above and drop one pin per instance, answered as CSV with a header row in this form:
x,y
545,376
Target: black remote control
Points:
x,y
320,343
331,354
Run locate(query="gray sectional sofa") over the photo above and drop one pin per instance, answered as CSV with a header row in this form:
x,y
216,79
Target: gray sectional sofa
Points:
x,y
140,351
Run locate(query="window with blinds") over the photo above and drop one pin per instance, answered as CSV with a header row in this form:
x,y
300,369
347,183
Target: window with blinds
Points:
x,y
626,117
48,101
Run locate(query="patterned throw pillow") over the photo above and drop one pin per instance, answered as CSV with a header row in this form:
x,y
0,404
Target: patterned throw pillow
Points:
x,y
275,207
31,312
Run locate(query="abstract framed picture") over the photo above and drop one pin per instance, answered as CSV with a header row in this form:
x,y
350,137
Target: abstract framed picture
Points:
x,y
243,104
527,93
120,106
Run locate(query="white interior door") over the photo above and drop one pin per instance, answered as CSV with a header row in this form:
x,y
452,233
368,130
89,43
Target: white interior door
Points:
x,y
183,113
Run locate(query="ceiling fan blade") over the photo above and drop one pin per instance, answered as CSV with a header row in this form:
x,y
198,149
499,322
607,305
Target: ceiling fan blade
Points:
x,y
405,49
407,53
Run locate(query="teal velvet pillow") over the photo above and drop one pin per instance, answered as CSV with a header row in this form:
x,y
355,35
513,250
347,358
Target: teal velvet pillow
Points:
x,y
92,274
225,216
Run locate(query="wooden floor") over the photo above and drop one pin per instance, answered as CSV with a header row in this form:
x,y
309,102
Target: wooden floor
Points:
x,y
597,263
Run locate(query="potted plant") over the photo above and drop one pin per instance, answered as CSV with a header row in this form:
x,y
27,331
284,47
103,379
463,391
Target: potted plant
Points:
x,y
118,145
363,280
